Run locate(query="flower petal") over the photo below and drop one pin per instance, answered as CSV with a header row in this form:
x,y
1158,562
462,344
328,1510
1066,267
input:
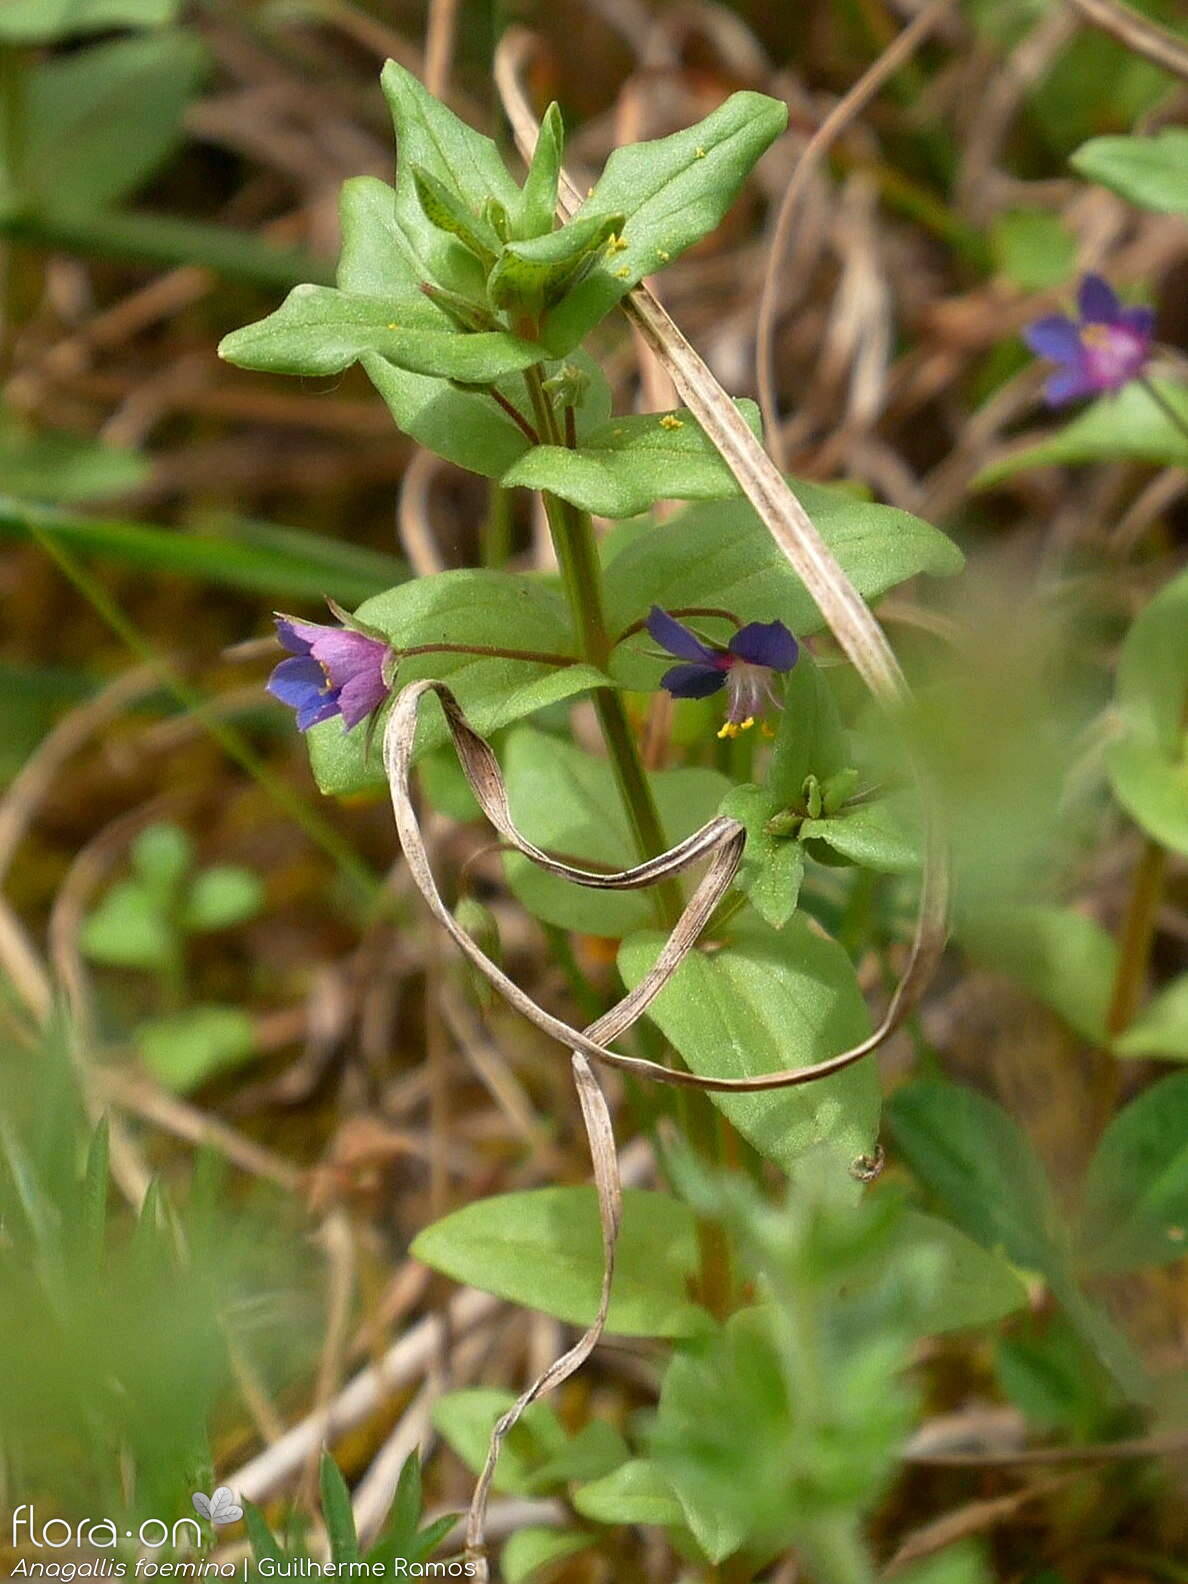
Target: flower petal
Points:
x,y
766,644
301,684
1098,301
1056,338
677,639
347,654
296,636
365,692
1139,321
693,681
1070,384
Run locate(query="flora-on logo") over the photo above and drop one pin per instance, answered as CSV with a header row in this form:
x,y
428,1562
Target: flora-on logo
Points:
x,y
221,1508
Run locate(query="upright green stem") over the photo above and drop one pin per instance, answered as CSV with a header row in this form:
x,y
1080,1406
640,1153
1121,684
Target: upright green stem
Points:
x,y
581,576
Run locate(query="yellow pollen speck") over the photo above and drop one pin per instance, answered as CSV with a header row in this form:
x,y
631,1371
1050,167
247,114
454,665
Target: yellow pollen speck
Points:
x,y
661,254
767,728
392,327
623,274
616,244
671,421
699,152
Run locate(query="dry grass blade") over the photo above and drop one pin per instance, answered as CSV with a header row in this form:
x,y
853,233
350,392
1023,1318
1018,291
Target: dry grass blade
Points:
x,y
1137,32
900,50
600,1133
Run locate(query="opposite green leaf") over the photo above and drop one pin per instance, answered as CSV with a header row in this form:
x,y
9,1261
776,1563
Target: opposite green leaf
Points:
x,y
1136,1191
974,1157
101,120
630,463
1128,426
672,192
187,1049
532,274
1150,171
636,1493
761,1003
40,21
772,866
1148,760
1160,1029
318,330
1066,959
536,211
531,1553
975,1287
722,555
465,1419
54,465
543,1249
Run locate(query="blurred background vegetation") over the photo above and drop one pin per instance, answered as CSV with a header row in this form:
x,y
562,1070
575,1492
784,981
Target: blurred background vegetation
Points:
x,y
190,941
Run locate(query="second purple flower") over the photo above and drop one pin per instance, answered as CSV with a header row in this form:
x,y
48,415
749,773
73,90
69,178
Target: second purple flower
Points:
x,y
745,667
1105,348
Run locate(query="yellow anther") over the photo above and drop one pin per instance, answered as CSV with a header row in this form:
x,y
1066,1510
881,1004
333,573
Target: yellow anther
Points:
x,y
671,421
732,728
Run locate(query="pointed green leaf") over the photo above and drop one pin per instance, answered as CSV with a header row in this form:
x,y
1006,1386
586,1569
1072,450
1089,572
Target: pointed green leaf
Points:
x,y
1150,171
431,138
128,930
722,555
636,1493
532,274
222,896
186,1049
39,21
1136,1191
761,1003
465,1419
975,1286
59,466
532,1553
1066,959
1161,1028
974,1157
318,330
445,211
630,463
1148,759
536,212
672,192
1127,426
337,1513
772,867
543,1249
101,120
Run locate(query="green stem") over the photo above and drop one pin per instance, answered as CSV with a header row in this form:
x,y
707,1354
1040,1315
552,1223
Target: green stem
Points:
x,y
581,577
1138,931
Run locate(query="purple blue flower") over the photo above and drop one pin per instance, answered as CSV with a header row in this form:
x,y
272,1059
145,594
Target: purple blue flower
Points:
x,y
1105,348
745,667
333,671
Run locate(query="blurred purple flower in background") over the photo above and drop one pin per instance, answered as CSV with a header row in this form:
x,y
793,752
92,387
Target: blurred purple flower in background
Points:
x,y
334,671
755,654
1106,348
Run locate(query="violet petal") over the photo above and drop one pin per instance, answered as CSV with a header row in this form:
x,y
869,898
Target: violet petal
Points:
x,y
676,638
766,644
